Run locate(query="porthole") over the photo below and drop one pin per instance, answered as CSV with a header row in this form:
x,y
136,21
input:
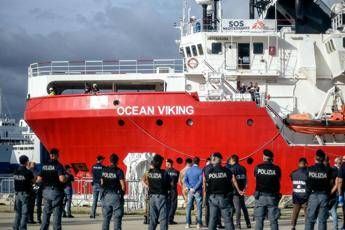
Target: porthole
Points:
x,y
250,122
121,122
250,161
189,122
179,160
159,122
116,102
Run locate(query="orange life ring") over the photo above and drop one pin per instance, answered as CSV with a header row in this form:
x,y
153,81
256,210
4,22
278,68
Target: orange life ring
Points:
x,y
193,63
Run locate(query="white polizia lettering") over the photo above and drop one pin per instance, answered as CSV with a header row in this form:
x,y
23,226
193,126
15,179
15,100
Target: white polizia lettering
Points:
x,y
318,175
48,167
217,175
155,175
109,175
268,172
19,177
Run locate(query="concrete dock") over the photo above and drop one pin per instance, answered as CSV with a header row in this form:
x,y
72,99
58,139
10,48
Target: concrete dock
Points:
x,y
133,222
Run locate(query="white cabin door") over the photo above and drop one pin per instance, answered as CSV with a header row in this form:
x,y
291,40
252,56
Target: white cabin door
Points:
x,y
231,55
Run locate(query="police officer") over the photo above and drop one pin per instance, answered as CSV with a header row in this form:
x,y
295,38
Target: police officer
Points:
x,y
52,176
299,192
318,185
96,184
113,185
220,182
240,174
174,176
267,192
23,180
159,186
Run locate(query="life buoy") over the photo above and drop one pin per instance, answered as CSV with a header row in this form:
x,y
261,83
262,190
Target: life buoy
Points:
x,y
193,63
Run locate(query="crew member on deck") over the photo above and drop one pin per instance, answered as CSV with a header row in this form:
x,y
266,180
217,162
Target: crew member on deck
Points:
x,y
114,188
159,187
96,184
172,203
53,178
318,184
299,192
23,180
267,192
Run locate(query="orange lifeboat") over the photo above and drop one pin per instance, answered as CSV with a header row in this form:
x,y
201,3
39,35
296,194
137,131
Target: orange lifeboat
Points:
x,y
304,123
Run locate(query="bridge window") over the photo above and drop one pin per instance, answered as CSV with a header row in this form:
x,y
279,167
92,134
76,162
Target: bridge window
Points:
x,y
195,52
258,48
216,48
332,45
201,51
188,52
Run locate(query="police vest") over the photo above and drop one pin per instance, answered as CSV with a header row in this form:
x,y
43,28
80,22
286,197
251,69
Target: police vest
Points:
x,y
319,178
50,174
158,183
218,180
174,175
299,183
240,174
97,173
111,177
268,178
23,179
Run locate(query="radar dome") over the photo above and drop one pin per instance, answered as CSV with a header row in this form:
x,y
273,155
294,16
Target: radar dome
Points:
x,y
204,2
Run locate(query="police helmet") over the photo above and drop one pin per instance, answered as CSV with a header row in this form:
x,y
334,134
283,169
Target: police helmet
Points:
x,y
23,159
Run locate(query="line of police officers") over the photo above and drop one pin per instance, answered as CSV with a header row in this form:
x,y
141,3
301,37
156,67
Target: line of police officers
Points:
x,y
312,188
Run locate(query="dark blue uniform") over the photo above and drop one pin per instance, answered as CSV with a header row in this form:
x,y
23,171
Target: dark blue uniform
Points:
x,y
299,193
112,197
319,186
96,186
267,194
220,189
68,195
240,173
52,193
172,204
23,179
159,186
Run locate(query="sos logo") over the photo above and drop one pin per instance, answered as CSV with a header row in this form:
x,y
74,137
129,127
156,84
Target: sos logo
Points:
x,y
236,23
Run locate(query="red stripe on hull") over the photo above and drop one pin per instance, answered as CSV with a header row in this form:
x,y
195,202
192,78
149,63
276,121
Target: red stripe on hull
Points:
x,y
81,133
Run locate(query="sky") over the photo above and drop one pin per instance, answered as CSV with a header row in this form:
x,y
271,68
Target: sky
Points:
x,y
46,30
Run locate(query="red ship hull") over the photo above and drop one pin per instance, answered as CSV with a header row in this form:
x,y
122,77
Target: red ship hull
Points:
x,y
83,126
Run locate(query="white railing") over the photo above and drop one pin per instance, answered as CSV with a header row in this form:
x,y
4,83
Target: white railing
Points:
x,y
82,193
106,67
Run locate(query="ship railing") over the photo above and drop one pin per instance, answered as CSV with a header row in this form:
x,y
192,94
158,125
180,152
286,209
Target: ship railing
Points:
x,y
106,67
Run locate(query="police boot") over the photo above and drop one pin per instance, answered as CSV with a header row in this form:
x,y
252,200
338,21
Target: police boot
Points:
x,y
146,220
